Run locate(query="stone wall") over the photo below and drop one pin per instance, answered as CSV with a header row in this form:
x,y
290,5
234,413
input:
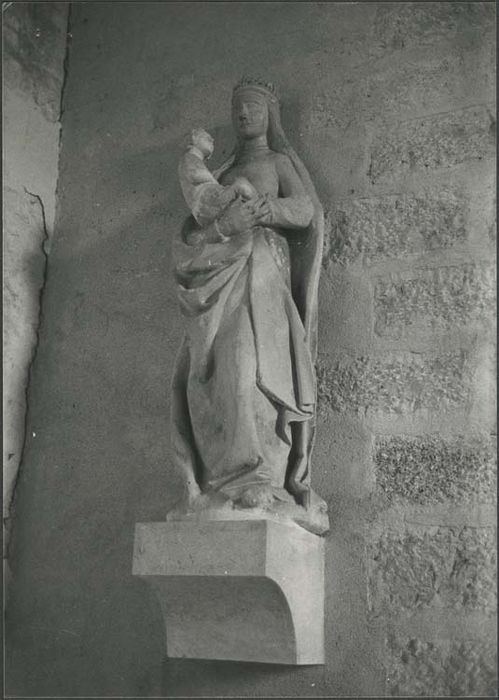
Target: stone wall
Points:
x,y
412,363
34,47
391,106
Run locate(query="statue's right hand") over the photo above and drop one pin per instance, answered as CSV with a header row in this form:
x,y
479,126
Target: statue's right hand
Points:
x,y
240,216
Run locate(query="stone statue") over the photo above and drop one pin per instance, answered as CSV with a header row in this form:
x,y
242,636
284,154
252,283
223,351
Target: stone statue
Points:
x,y
247,265
204,196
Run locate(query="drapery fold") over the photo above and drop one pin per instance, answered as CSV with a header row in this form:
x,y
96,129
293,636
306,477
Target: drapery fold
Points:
x,y
244,371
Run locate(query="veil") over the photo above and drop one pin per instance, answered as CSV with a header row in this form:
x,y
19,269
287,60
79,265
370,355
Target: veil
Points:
x,y
306,256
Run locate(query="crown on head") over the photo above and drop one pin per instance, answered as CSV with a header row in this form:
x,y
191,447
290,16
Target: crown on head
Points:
x,y
265,87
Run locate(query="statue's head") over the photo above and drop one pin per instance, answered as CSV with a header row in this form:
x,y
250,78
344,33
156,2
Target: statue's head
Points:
x,y
252,100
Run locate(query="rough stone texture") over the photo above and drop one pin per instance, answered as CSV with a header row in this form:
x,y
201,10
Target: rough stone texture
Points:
x,y
34,44
441,567
396,225
423,24
440,668
23,278
428,469
397,384
140,76
436,83
440,141
439,298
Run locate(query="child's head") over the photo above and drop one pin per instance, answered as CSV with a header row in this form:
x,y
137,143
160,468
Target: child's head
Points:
x,y
203,141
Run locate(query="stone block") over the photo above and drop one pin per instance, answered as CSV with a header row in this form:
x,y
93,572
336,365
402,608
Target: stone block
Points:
x,y
440,668
427,469
440,298
342,460
394,226
248,590
434,83
440,567
35,39
397,383
23,279
433,142
397,90
345,309
334,107
422,24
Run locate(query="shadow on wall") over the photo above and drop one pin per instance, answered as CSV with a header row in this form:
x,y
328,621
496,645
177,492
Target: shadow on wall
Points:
x,y
87,646
185,677
109,414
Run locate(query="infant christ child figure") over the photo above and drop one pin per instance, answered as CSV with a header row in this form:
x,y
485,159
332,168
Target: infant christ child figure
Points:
x,y
204,196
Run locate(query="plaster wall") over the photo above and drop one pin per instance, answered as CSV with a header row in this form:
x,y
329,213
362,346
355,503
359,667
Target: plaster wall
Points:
x,y
34,46
391,107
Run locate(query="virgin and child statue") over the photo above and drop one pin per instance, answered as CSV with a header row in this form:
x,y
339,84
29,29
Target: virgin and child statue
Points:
x,y
247,264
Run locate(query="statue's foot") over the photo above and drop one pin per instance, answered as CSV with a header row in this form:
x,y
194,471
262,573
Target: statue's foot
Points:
x,y
260,496
199,504
212,500
316,503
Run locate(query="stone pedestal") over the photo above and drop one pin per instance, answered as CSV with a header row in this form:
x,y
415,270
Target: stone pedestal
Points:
x,y
247,590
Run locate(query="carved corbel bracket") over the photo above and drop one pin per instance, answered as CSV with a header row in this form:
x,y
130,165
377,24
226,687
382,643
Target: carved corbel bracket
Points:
x,y
247,590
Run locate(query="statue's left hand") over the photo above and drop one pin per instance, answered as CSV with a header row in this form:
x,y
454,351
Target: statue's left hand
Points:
x,y
240,216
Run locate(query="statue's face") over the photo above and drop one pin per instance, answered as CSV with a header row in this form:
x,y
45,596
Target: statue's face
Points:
x,y
250,114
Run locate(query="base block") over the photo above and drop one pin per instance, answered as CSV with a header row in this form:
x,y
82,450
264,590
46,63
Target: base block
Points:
x,y
247,590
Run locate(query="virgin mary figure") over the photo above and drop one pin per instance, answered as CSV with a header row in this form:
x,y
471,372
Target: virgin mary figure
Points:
x,y
244,394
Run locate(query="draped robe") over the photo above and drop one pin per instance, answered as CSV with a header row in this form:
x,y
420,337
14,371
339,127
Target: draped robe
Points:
x,y
244,370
